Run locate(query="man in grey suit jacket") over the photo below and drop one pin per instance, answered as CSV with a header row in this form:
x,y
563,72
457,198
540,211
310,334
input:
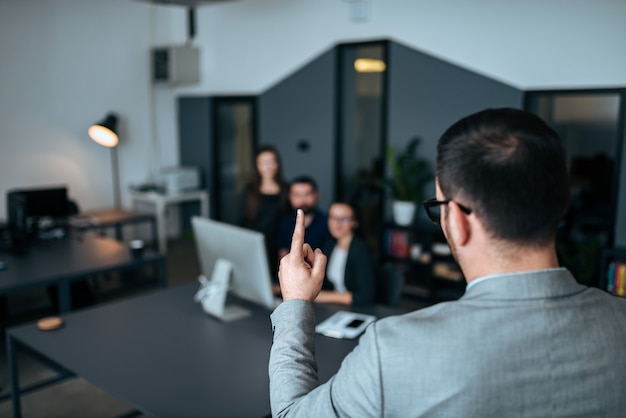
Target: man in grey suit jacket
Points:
x,y
525,340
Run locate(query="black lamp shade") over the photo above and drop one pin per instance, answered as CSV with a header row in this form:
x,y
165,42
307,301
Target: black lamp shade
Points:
x,y
104,132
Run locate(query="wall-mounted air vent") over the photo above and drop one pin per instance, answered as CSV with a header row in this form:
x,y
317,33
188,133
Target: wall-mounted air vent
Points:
x,y
173,65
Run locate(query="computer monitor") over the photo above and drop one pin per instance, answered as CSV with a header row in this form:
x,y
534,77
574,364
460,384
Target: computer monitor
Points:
x,y
48,201
232,259
26,208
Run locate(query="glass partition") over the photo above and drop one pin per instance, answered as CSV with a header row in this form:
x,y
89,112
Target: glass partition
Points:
x,y
232,157
590,126
360,145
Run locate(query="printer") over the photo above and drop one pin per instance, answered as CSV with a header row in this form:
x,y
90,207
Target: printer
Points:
x,y
176,180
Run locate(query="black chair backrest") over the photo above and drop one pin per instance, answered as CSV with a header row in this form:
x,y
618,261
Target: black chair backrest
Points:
x,y
390,285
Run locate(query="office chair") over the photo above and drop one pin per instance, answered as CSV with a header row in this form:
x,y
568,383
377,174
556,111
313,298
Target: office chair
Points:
x,y
390,285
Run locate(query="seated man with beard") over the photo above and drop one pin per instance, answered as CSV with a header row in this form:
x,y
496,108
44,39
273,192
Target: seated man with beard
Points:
x,y
303,194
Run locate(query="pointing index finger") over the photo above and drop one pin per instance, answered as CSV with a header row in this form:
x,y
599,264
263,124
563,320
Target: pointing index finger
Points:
x,y
297,240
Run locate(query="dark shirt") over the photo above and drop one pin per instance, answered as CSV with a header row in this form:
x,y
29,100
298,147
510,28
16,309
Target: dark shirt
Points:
x,y
271,210
360,274
315,234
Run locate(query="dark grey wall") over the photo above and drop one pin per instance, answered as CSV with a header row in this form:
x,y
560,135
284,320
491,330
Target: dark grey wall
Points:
x,y
427,95
195,144
302,108
195,131
620,224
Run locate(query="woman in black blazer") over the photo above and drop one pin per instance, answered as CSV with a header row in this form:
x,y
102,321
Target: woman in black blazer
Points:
x,y
350,274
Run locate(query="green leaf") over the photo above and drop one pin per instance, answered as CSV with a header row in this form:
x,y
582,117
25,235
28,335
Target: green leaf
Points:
x,y
409,173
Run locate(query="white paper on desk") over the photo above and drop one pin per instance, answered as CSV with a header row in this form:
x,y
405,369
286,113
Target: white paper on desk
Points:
x,y
83,221
344,324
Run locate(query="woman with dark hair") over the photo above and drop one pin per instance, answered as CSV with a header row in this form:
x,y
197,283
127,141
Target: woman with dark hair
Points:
x,y
264,201
350,274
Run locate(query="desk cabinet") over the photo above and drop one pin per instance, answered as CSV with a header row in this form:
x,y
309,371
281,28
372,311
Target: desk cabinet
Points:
x,y
423,256
162,201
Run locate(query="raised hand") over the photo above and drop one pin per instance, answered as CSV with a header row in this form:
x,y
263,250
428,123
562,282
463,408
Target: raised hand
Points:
x,y
301,272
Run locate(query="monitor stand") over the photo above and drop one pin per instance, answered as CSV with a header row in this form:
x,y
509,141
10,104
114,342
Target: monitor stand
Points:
x,y
212,294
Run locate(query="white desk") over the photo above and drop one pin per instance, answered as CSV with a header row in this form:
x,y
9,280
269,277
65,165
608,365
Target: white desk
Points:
x,y
161,201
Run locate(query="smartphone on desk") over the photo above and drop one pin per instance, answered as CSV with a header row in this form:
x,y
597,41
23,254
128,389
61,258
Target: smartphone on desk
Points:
x,y
344,324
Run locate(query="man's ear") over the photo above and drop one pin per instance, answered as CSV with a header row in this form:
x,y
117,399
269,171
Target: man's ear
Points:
x,y
458,224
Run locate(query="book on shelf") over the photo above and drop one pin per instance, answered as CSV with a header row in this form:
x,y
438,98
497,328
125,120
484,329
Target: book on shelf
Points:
x,y
616,278
398,243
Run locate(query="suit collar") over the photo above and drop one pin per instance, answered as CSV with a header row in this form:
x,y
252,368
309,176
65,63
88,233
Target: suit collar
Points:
x,y
526,285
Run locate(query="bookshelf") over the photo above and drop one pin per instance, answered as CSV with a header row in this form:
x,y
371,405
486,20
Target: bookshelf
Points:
x,y
421,254
613,271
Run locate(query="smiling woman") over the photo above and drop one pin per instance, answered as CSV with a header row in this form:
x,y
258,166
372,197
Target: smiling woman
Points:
x,y
350,277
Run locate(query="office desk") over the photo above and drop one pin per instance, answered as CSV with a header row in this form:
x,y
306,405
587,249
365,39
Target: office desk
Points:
x,y
61,262
162,201
101,219
161,354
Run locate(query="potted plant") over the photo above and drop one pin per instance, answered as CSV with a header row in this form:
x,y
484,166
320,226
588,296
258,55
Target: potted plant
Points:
x,y
409,175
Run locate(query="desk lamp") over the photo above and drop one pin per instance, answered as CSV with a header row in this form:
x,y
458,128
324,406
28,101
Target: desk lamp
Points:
x,y
105,134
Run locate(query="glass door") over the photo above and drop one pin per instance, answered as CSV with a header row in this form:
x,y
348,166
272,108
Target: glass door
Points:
x,y
360,138
591,128
234,143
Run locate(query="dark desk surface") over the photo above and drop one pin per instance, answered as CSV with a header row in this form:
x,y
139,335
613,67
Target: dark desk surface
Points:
x,y
59,262
163,355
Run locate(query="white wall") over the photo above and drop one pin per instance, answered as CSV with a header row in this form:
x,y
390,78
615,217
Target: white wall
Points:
x,y
528,44
65,63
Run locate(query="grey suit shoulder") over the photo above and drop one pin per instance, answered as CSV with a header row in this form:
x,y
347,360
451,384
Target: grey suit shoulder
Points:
x,y
507,341
529,345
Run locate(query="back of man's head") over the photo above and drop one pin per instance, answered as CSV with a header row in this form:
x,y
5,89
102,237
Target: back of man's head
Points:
x,y
509,167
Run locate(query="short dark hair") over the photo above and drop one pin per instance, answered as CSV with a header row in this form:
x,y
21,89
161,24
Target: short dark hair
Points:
x,y
304,179
509,167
